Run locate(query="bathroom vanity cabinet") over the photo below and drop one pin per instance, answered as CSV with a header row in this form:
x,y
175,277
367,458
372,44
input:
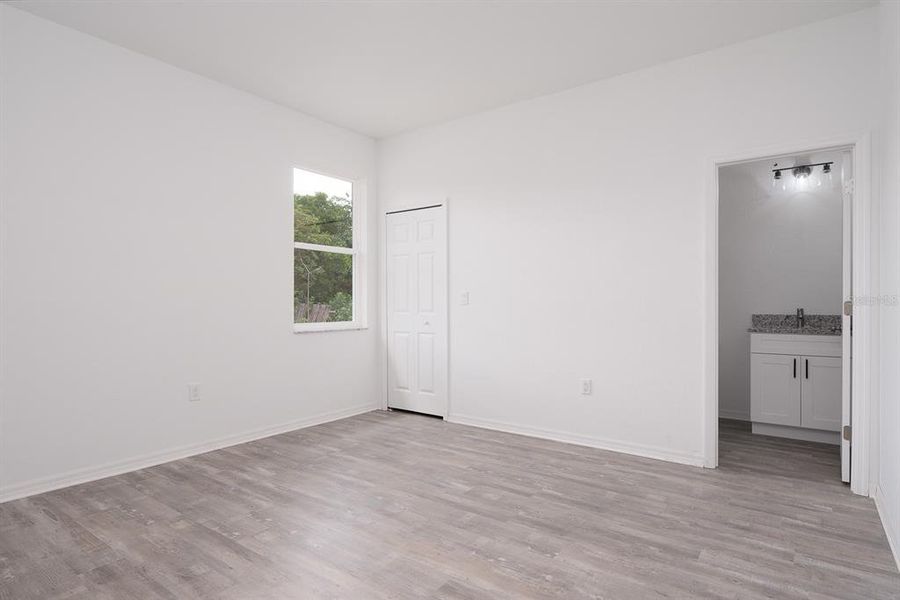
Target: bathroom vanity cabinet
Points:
x,y
795,386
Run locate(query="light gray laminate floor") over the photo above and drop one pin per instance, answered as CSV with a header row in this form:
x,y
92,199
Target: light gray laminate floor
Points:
x,y
393,505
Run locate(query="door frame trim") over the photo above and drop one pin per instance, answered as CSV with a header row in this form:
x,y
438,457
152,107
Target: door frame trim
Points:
x,y
865,351
383,313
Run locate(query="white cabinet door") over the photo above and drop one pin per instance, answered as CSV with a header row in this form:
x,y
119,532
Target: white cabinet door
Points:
x,y
821,396
416,282
775,389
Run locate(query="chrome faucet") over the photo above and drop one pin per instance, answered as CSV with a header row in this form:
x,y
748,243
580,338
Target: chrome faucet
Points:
x,y
801,318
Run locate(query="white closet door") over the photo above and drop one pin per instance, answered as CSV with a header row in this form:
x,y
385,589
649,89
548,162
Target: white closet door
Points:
x,y
416,285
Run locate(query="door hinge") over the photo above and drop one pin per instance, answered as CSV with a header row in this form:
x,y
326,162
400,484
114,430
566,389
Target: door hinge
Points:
x,y
850,186
848,433
848,307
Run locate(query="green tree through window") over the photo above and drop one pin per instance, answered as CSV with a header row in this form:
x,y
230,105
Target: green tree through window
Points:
x,y
323,278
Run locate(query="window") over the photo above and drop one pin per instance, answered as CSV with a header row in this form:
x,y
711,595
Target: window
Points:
x,y
327,257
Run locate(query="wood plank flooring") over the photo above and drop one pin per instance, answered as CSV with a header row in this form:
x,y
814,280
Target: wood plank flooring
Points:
x,y
393,505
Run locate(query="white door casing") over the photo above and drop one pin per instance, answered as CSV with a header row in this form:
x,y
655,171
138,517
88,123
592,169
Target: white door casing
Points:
x,y
416,296
857,349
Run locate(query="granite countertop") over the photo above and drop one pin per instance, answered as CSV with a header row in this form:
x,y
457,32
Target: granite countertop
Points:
x,y
787,324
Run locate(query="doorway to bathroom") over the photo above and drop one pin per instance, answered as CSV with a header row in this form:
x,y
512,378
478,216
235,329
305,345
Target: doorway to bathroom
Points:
x,y
783,322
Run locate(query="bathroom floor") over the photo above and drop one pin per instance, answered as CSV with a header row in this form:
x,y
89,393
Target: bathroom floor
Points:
x,y
742,452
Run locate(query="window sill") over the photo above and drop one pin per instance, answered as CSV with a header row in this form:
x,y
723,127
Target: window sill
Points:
x,y
319,327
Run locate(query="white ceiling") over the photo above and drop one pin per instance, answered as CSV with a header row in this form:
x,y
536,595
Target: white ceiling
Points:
x,y
381,67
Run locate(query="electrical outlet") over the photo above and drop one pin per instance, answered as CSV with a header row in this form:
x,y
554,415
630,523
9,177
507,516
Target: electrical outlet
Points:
x,y
193,392
587,387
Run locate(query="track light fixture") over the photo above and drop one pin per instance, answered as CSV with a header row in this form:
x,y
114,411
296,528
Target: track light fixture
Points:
x,y
801,174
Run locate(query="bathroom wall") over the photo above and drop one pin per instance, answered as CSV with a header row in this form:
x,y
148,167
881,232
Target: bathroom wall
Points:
x,y
779,250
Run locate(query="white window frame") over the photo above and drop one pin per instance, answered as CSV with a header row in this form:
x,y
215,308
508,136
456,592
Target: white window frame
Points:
x,y
358,251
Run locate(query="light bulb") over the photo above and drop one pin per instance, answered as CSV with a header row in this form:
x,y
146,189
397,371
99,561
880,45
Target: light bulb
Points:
x,y
826,170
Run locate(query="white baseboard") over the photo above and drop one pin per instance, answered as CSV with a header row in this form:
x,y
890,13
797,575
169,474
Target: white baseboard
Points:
x,y
735,415
582,440
84,475
886,522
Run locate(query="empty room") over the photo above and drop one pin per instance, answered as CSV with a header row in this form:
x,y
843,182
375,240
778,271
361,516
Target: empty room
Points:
x,y
488,299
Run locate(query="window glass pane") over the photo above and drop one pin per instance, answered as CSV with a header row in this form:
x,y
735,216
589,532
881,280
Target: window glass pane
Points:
x,y
323,210
323,286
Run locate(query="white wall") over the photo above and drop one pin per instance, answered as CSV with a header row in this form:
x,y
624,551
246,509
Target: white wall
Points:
x,y
147,243
578,222
888,496
779,250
